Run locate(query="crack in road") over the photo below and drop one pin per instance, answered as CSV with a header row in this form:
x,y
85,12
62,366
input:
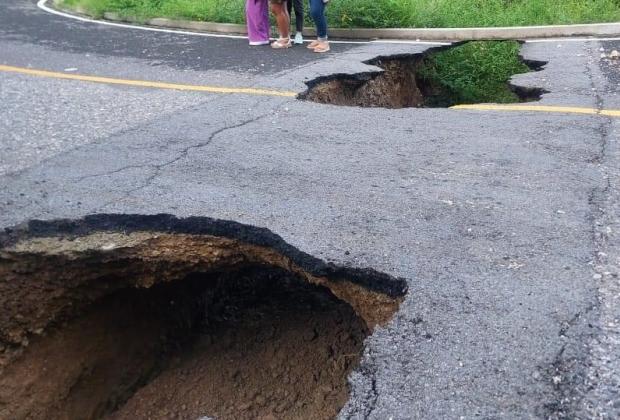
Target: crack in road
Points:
x,y
145,165
580,395
601,384
120,133
375,393
157,168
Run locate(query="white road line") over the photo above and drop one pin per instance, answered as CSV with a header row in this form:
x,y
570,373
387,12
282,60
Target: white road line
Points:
x,y
42,4
404,41
560,40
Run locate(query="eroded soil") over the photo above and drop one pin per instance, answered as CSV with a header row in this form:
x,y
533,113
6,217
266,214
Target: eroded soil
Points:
x,y
278,349
400,84
160,326
396,87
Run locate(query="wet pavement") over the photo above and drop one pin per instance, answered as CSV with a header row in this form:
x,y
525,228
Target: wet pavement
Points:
x,y
503,224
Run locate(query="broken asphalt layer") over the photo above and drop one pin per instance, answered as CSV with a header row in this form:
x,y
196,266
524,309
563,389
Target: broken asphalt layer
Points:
x,y
503,223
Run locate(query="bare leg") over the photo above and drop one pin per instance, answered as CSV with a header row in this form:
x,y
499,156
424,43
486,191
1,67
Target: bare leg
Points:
x,y
283,20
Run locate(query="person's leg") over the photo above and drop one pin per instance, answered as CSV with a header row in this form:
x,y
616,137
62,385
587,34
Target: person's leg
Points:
x,y
299,14
299,19
257,18
317,11
278,8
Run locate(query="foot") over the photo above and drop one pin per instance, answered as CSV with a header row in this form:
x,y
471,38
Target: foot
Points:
x,y
254,43
313,44
322,47
299,39
282,43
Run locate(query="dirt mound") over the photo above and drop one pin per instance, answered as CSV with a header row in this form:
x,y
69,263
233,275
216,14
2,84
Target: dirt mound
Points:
x,y
396,87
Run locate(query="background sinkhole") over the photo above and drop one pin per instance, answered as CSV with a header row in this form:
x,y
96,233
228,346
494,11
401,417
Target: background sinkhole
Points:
x,y
467,73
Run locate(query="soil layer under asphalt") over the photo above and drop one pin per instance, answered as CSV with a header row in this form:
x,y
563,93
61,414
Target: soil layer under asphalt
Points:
x,y
148,325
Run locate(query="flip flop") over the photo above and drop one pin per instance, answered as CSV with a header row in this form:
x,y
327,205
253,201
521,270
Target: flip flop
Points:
x,y
323,47
282,43
313,44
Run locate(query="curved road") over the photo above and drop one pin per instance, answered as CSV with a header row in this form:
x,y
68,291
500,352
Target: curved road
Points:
x,y
505,224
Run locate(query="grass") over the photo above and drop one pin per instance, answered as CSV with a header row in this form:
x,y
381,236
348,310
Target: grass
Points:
x,y
474,72
383,13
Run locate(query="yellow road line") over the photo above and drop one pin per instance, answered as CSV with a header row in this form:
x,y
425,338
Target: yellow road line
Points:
x,y
542,108
283,93
144,83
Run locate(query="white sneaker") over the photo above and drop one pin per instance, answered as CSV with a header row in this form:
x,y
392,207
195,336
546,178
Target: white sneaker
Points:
x,y
299,38
255,43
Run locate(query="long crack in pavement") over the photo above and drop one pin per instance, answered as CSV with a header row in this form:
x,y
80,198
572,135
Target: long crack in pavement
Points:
x,y
597,394
182,154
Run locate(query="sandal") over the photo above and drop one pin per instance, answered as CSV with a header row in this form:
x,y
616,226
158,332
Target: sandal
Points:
x,y
313,44
282,43
322,47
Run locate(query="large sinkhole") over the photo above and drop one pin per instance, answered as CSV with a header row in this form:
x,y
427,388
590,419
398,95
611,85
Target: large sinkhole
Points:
x,y
465,73
153,317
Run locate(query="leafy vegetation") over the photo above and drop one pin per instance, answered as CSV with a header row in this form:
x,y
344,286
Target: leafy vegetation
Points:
x,y
472,73
382,13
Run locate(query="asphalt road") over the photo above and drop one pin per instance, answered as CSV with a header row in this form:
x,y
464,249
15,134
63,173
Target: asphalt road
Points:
x,y
505,224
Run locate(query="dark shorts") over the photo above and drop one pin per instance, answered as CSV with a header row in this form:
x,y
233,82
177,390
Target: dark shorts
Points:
x,y
277,1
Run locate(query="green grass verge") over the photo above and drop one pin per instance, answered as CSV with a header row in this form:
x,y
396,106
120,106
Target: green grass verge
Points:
x,y
383,13
474,72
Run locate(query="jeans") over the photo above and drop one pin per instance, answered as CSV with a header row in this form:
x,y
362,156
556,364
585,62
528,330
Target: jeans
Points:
x,y
317,11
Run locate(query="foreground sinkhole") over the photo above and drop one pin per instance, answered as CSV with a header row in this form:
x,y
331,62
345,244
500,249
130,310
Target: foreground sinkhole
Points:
x,y
465,73
148,317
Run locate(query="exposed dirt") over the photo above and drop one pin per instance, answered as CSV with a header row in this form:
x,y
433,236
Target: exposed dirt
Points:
x,y
150,325
398,85
274,347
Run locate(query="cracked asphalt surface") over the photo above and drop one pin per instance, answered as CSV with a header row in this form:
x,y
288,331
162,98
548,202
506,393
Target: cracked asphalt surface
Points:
x,y
504,224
